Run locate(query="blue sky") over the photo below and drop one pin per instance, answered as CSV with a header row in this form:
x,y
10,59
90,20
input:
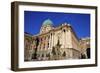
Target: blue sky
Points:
x,y
80,22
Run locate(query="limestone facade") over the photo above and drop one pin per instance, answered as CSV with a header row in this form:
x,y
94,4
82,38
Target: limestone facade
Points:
x,y
52,43
85,47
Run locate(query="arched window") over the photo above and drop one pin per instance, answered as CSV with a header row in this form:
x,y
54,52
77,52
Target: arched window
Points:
x,y
64,30
42,55
51,34
41,39
48,45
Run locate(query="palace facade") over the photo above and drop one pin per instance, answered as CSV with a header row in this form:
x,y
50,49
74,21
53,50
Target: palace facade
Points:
x,y
54,43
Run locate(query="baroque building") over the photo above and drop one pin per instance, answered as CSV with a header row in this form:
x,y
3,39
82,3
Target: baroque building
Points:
x,y
85,47
54,43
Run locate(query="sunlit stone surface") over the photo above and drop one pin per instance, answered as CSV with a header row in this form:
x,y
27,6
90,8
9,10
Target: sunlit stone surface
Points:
x,y
55,43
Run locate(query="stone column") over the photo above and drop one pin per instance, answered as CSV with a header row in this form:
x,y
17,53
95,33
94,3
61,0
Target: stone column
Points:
x,y
52,39
63,39
49,42
46,43
40,44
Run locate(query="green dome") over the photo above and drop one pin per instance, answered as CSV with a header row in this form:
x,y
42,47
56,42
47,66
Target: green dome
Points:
x,y
47,22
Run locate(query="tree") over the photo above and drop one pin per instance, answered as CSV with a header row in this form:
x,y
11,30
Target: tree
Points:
x,y
37,43
64,54
88,52
53,51
83,56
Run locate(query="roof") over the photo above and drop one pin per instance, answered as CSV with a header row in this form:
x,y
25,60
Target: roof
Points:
x,y
47,22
